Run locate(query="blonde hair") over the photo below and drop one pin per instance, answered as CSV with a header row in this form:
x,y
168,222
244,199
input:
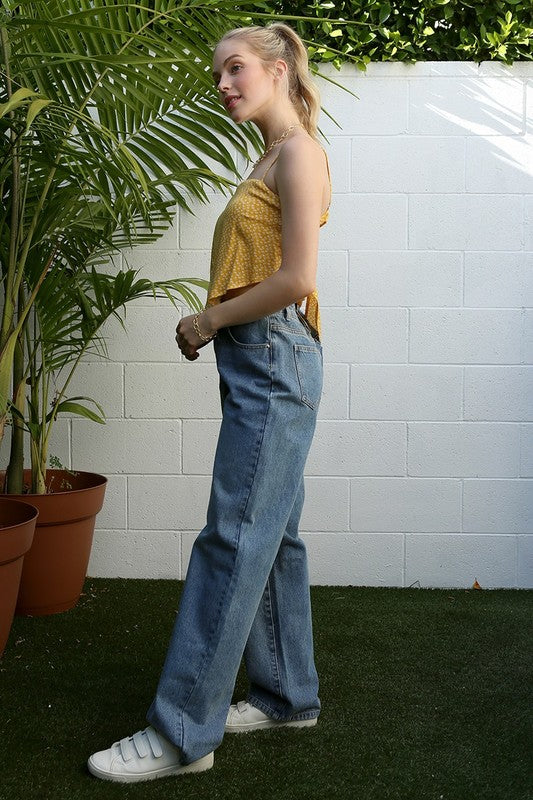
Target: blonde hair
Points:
x,y
278,40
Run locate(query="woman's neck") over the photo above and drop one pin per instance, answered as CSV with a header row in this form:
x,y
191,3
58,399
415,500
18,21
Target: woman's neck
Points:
x,y
274,123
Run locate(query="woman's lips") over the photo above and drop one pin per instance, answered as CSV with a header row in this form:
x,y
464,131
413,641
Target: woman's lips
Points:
x,y
230,102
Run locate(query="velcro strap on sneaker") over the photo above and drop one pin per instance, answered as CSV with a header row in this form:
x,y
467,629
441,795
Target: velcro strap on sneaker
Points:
x,y
155,744
140,744
126,749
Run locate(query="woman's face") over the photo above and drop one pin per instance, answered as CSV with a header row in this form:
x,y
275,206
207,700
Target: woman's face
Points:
x,y
245,87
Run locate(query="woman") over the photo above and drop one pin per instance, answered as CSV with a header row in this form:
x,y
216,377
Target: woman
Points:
x,y
247,588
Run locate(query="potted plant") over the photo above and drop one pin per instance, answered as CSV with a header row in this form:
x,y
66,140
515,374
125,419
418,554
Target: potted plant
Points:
x,y
107,115
66,321
17,526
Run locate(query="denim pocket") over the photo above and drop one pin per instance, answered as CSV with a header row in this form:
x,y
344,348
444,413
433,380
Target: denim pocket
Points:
x,y
308,360
250,334
311,333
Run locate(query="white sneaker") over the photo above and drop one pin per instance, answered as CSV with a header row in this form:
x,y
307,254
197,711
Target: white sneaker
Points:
x,y
142,757
244,717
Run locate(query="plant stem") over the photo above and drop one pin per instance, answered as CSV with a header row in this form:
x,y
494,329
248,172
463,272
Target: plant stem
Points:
x,y
14,483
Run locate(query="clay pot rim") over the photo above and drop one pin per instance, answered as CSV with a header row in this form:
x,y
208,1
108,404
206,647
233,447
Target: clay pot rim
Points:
x,y
7,498
102,480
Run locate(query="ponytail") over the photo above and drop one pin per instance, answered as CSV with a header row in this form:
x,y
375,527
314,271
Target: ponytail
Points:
x,y
278,40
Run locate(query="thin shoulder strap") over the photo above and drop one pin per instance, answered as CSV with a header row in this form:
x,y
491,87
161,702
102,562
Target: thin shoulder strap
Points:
x,y
270,166
327,167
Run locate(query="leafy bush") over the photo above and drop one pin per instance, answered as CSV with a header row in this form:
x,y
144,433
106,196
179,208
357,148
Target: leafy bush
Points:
x,y
407,30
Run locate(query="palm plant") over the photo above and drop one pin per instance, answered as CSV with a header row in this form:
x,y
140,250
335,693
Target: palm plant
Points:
x,y
108,116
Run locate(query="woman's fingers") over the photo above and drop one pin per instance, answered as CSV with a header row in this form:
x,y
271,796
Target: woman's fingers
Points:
x,y
187,340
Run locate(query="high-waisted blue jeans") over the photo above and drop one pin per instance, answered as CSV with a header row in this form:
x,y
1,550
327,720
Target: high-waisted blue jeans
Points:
x,y
247,586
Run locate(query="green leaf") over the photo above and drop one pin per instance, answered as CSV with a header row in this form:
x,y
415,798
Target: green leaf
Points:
x,y
14,411
384,12
35,108
71,407
18,98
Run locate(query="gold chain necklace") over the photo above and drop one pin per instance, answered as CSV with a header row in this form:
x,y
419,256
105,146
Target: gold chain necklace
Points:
x,y
277,141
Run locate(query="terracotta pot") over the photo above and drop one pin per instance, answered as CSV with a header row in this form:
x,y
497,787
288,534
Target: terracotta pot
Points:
x,y
56,565
17,526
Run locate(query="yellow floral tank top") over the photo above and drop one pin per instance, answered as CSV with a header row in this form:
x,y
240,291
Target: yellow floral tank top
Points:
x,y
247,243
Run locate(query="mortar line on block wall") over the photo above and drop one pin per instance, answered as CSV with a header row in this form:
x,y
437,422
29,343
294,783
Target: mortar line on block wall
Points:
x,y
124,391
408,95
425,250
460,308
463,390
348,278
348,284
465,147
397,193
180,433
404,558
409,335
472,365
407,218
523,333
524,226
407,449
350,165
350,504
520,438
349,391
462,501
463,279
127,501
450,135
524,107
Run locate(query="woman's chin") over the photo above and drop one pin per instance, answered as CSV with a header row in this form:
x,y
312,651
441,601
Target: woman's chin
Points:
x,y
238,117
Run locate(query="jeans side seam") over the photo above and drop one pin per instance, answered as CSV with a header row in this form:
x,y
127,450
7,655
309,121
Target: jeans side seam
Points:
x,y
260,441
274,653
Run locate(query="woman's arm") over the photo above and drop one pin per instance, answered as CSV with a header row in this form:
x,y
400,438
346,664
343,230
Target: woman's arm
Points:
x,y
299,181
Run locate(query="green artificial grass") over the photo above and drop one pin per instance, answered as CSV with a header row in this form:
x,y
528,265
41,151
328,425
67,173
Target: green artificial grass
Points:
x,y
425,694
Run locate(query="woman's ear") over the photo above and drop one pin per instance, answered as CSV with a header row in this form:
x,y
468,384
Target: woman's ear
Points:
x,y
280,69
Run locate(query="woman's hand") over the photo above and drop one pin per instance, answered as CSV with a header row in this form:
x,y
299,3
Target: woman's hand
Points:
x,y
188,340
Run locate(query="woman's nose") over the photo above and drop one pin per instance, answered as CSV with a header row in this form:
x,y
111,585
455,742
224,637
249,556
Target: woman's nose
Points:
x,y
223,84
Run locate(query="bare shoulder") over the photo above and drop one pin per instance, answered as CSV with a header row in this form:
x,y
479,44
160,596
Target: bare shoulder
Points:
x,y
301,152
301,170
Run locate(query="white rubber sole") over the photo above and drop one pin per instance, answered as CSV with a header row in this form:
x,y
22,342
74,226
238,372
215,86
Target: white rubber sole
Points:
x,y
136,777
270,723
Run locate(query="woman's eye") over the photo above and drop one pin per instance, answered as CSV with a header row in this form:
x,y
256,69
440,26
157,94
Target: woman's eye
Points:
x,y
234,68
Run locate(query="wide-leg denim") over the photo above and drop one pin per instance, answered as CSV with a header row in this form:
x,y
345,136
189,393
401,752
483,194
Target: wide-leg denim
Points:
x,y
247,587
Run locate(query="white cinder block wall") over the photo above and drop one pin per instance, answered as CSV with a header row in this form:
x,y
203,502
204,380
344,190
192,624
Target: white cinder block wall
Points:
x,y
421,471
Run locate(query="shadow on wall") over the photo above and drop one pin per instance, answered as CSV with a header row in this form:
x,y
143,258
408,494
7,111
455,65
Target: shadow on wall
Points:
x,y
492,111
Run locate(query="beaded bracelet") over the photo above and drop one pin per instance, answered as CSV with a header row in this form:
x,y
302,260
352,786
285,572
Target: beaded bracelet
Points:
x,y
199,332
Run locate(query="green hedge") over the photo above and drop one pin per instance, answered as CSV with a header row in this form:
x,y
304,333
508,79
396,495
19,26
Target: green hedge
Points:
x,y
406,30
